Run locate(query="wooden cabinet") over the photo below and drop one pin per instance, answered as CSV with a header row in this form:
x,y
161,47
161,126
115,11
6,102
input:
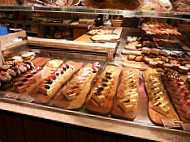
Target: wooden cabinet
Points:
x,y
39,130
82,135
13,127
21,128
3,136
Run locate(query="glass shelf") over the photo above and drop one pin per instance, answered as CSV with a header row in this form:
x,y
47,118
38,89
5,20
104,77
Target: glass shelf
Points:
x,y
125,13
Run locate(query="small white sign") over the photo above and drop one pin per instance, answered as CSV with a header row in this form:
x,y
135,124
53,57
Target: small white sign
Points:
x,y
11,95
26,98
171,123
186,126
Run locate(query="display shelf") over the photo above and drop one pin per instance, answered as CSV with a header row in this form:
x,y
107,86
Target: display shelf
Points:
x,y
108,124
125,13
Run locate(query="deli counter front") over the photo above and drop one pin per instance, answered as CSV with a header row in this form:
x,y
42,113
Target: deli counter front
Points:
x,y
112,82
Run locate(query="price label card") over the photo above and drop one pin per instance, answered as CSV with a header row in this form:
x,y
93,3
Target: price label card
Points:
x,y
11,95
185,126
171,123
26,98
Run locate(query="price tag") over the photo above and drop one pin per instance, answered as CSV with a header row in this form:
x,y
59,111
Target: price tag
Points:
x,y
185,126
26,98
171,123
11,95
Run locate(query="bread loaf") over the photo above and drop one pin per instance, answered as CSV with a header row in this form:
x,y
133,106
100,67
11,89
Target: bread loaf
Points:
x,y
113,4
48,3
158,5
181,5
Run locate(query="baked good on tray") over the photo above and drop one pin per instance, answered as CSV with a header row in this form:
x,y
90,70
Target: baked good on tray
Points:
x,y
30,78
56,78
161,30
178,92
73,95
101,97
105,38
156,58
159,106
100,31
125,104
11,70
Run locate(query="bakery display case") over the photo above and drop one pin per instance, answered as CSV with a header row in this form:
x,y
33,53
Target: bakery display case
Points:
x,y
107,78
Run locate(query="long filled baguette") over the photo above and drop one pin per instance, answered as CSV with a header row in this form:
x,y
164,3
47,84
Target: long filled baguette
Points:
x,y
74,94
48,88
159,106
178,92
101,97
125,105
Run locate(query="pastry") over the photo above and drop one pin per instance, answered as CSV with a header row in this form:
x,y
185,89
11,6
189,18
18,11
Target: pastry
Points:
x,y
12,63
146,50
184,63
176,53
28,56
173,62
183,69
131,39
147,60
159,106
129,52
167,65
47,87
105,38
77,84
155,51
30,78
161,31
188,65
160,63
175,66
12,72
178,92
125,105
138,58
5,77
188,82
101,97
6,67
165,52
104,88
99,31
131,57
17,58
153,64
156,93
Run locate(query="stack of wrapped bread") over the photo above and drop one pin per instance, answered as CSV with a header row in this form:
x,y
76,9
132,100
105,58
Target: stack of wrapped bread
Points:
x,y
181,5
113,4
